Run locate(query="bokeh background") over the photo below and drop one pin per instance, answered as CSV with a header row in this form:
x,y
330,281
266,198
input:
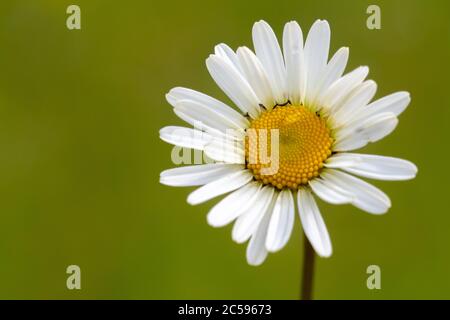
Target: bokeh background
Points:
x,y
80,154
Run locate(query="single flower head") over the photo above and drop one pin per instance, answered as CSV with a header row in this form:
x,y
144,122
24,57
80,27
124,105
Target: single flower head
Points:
x,y
300,118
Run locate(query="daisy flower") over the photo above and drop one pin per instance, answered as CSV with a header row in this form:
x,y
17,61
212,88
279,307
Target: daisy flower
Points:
x,y
308,116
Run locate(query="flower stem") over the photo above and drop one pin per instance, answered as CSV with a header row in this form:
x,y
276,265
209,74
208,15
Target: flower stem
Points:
x,y
308,270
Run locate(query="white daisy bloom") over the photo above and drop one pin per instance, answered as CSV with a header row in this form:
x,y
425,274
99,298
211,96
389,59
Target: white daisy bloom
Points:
x,y
319,116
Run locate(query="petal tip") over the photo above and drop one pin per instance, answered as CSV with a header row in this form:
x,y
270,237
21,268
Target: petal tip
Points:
x,y
211,221
170,98
327,255
324,252
192,200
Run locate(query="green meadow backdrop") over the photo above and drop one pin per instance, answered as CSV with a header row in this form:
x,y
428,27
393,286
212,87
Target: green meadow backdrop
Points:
x,y
80,155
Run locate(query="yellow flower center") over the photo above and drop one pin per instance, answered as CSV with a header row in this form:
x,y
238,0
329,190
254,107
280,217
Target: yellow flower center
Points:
x,y
287,146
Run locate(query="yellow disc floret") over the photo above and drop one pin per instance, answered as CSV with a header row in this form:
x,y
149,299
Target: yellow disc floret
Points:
x,y
287,146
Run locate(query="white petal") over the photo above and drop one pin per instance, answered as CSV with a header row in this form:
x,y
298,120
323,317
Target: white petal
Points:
x,y
256,76
220,186
313,224
200,126
197,175
331,73
295,62
247,223
205,115
180,93
378,127
233,205
226,53
225,150
281,222
317,47
394,103
367,197
329,193
185,137
372,166
370,130
269,53
233,84
357,100
340,89
256,249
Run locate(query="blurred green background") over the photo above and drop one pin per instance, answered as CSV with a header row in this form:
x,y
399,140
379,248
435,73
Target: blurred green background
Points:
x,y
80,154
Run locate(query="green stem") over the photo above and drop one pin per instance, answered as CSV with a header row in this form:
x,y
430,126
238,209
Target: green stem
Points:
x,y
308,270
